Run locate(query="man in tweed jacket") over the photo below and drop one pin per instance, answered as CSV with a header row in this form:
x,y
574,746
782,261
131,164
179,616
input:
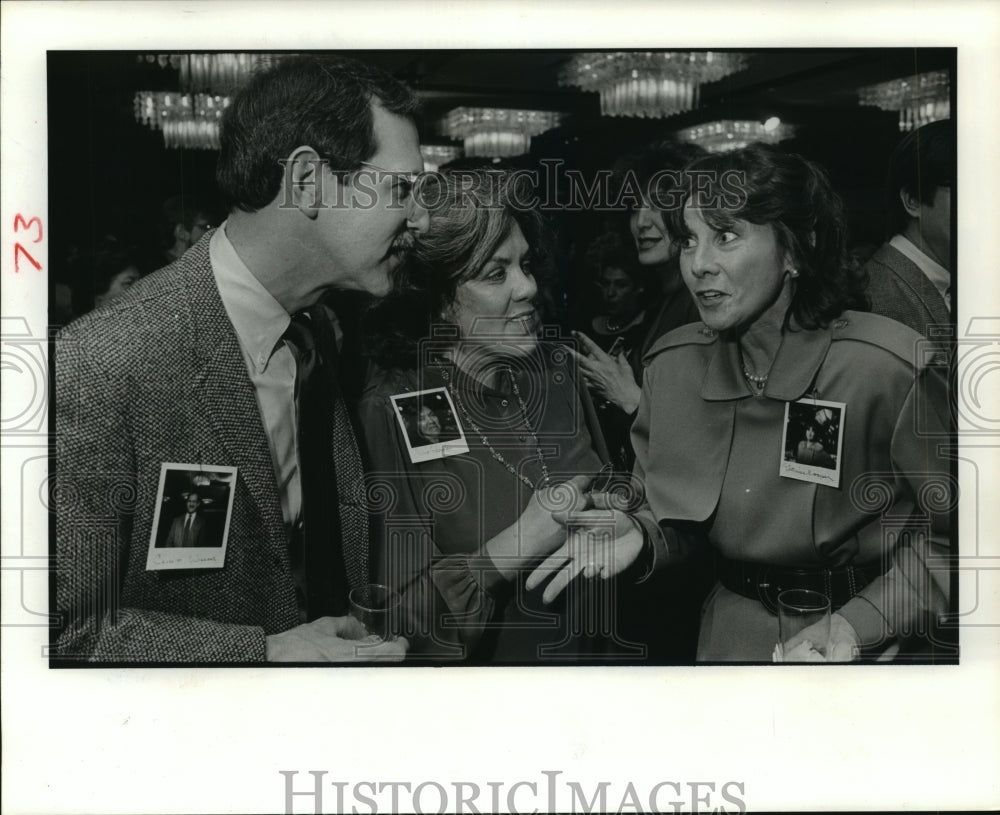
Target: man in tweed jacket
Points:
x,y
910,276
190,367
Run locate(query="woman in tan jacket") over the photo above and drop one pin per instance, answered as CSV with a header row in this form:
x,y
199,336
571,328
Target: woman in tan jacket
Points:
x,y
763,253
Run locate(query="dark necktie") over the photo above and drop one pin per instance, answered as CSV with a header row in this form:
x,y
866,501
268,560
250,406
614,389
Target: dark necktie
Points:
x,y
324,433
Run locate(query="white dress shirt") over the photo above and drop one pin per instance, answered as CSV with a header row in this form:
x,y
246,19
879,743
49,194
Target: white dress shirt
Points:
x,y
939,276
260,321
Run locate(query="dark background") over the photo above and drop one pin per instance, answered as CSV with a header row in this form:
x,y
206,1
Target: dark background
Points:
x,y
108,174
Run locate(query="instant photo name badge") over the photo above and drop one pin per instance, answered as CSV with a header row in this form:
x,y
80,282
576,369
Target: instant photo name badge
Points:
x,y
429,423
194,504
812,441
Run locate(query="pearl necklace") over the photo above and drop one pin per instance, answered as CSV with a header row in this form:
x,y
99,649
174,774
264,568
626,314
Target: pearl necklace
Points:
x,y
486,442
754,379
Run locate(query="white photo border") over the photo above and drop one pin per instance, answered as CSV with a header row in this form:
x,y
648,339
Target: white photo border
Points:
x,y
206,557
428,452
795,740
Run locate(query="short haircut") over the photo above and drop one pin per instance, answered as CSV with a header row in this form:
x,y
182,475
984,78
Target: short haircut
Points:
x,y
475,211
180,210
322,102
764,185
923,161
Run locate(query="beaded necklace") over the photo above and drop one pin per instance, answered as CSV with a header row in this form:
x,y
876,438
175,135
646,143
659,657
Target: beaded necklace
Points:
x,y
757,380
486,442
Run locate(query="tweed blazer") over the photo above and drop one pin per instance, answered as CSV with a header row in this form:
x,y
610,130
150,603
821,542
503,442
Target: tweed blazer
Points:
x,y
158,376
899,290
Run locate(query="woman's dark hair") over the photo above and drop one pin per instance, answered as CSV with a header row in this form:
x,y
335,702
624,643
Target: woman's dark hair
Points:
x,y
97,270
322,102
764,185
609,251
652,170
472,212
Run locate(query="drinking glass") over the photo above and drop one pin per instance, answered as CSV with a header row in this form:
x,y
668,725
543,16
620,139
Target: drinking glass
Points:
x,y
799,609
376,607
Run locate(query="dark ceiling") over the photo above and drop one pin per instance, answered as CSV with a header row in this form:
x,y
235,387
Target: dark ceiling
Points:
x,y
776,82
118,172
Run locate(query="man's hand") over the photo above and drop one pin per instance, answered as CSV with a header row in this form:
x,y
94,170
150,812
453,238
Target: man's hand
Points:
x,y
607,376
332,639
843,645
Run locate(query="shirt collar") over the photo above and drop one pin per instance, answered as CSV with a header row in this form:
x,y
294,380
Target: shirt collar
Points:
x,y
934,271
259,319
798,360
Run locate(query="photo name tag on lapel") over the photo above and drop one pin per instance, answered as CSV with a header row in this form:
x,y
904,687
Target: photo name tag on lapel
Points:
x,y
194,505
813,440
429,424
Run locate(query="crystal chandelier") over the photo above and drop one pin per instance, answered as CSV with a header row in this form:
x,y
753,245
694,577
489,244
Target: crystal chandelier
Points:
x,y
187,120
735,134
495,132
650,84
920,99
190,118
434,155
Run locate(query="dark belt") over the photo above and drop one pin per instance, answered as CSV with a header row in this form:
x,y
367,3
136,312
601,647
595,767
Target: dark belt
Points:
x,y
764,583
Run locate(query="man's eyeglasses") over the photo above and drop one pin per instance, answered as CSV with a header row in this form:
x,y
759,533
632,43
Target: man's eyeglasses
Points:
x,y
404,181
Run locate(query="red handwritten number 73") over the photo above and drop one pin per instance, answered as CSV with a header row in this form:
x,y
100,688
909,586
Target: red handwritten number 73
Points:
x,y
19,225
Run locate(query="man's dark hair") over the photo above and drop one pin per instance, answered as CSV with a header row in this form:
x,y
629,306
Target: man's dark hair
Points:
x,y
180,210
920,163
322,102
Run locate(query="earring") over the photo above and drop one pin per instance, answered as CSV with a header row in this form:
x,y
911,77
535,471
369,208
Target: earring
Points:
x,y
793,273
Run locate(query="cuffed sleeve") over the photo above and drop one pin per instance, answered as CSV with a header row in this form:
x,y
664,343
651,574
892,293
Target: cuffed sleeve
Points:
x,y
448,598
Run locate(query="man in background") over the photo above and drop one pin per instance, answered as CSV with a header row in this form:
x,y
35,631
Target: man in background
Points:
x,y
911,275
182,224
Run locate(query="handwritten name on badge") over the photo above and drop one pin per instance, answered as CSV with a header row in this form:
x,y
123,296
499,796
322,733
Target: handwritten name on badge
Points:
x,y
194,505
812,441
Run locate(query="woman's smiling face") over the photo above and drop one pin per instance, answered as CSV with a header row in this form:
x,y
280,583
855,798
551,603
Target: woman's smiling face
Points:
x,y
498,303
652,241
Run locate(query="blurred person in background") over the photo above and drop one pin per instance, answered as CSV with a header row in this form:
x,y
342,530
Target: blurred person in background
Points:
x,y
182,223
910,277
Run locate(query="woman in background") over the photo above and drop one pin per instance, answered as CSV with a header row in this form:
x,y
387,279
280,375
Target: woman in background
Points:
x,y
614,376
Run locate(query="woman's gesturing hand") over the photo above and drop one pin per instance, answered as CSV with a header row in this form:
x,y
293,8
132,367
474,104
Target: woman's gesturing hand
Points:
x,y
607,376
599,542
536,532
